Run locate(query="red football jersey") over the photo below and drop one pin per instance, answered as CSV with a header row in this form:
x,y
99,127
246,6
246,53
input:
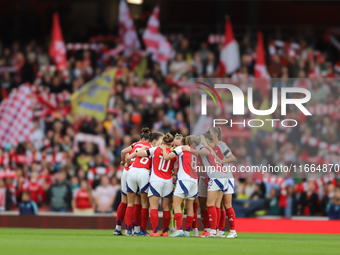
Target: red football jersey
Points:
x,y
135,146
160,167
144,162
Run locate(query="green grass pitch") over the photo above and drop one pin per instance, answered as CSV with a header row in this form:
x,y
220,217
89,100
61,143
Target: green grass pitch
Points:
x,y
66,241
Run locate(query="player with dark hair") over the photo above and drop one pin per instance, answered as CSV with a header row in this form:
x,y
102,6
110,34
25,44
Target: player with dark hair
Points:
x,y
161,184
137,208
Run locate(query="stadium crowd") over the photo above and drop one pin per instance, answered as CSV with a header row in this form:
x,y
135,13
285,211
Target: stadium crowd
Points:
x,y
58,177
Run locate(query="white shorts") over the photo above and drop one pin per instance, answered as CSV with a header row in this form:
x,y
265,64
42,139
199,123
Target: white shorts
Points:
x,y
123,182
202,187
224,185
186,189
161,188
230,187
137,180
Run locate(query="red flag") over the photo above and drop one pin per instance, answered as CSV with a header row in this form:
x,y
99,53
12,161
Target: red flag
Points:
x,y
230,54
260,66
263,83
57,47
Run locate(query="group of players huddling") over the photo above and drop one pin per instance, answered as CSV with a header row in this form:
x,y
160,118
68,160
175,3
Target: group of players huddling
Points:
x,y
151,168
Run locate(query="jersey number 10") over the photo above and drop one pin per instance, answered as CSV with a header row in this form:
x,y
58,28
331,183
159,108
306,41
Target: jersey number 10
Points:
x,y
162,162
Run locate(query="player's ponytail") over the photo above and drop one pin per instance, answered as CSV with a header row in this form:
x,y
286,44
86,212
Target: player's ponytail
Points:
x,y
203,141
217,130
168,139
145,134
208,136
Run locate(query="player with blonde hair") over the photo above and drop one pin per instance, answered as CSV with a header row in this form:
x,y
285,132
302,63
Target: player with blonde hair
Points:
x,y
186,186
224,153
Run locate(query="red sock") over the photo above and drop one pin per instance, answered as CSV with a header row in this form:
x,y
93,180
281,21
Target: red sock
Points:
x,y
205,218
145,218
178,219
231,218
188,224
128,218
221,224
121,213
212,217
195,222
218,214
137,210
166,221
154,220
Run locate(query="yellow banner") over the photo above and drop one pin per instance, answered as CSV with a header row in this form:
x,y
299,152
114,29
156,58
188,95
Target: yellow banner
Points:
x,y
92,98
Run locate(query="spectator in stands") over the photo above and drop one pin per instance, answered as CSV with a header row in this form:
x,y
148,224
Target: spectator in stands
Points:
x,y
34,188
308,201
325,199
5,196
178,66
105,194
12,188
291,207
75,184
249,187
333,208
272,203
258,191
6,84
27,206
82,202
59,194
54,130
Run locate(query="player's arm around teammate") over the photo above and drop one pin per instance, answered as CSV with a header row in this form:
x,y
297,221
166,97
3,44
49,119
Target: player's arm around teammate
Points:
x,y
186,188
161,185
227,156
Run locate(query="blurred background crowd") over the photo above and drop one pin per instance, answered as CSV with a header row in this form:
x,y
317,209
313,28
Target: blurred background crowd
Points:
x,y
60,173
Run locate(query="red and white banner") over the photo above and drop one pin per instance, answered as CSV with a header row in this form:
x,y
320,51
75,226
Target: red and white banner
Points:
x,y
230,54
317,182
84,46
59,158
314,142
7,174
16,116
279,47
114,52
142,91
82,137
155,42
57,48
214,38
127,30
